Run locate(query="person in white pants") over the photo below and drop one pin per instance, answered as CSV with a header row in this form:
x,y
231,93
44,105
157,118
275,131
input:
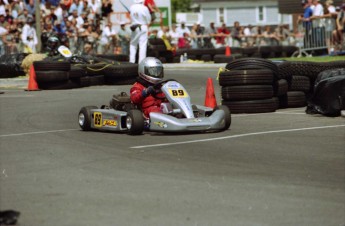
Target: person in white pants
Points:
x,y
140,18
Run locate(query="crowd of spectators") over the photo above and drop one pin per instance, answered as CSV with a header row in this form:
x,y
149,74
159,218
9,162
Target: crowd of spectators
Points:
x,y
84,26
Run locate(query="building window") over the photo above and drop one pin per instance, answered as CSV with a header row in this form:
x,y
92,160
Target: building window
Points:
x,y
261,14
221,15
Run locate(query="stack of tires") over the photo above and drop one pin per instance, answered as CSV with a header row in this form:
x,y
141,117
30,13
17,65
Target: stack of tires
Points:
x,y
301,76
157,48
64,75
249,85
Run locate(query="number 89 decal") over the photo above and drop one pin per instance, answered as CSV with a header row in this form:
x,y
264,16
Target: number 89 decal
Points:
x,y
178,93
97,117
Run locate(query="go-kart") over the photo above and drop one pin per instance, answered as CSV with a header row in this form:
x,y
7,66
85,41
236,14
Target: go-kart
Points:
x,y
177,115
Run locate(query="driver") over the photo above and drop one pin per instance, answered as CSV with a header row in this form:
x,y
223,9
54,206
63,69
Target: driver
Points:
x,y
143,93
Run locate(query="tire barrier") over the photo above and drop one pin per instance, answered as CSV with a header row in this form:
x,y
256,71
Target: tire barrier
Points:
x,y
256,85
51,75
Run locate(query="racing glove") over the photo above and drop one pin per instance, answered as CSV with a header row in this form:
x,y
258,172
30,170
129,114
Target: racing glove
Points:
x,y
148,91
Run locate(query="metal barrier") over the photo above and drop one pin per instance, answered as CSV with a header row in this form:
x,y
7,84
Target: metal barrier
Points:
x,y
315,35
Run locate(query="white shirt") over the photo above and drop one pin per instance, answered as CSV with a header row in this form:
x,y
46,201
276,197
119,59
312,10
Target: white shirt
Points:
x,y
79,19
140,14
331,9
29,31
181,31
318,10
174,36
3,31
106,34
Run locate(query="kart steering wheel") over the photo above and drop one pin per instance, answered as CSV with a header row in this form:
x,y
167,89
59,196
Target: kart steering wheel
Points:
x,y
159,85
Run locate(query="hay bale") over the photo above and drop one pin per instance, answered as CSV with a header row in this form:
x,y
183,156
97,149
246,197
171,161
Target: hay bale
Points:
x,y
29,60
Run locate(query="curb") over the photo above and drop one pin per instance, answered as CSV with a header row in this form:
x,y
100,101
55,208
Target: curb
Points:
x,y
14,83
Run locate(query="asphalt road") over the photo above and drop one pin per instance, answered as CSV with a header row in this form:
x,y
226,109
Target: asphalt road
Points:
x,y
282,168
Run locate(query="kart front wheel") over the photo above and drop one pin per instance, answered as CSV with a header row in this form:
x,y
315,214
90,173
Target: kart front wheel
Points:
x,y
84,118
227,116
135,122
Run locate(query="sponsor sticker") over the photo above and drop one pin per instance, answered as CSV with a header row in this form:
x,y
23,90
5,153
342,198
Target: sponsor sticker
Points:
x,y
109,123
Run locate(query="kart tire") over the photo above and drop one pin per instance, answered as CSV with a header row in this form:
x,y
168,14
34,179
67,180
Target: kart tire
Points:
x,y
135,122
227,118
51,76
52,66
84,117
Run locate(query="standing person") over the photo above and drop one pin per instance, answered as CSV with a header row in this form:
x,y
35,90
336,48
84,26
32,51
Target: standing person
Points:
x,y
140,18
29,36
151,5
124,38
182,29
306,19
210,34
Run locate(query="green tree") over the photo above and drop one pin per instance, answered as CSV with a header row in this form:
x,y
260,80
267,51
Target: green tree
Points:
x,y
179,6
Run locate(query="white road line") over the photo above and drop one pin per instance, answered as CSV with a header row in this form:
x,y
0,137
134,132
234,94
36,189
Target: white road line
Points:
x,y
237,136
290,113
16,96
39,132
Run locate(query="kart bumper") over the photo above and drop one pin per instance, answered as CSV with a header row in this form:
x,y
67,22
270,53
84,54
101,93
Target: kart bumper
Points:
x,y
166,123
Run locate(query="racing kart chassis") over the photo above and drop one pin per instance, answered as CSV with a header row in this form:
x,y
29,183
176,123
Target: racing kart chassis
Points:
x,y
178,115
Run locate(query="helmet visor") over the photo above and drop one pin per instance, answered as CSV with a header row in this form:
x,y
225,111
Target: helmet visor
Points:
x,y
156,71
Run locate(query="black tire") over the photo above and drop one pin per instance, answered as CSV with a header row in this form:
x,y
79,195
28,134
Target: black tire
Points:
x,y
253,64
96,80
85,118
52,66
69,84
246,77
265,51
251,106
293,99
281,87
115,57
251,92
76,72
299,83
135,122
51,76
227,118
156,41
158,48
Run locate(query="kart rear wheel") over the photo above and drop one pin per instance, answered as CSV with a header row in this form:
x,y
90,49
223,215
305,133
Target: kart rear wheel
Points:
x,y
227,117
135,122
84,117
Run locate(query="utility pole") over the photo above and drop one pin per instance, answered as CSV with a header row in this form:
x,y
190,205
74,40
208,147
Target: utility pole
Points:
x,y
38,24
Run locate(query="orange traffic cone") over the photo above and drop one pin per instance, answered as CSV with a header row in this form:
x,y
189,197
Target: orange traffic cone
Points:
x,y
32,85
210,99
227,51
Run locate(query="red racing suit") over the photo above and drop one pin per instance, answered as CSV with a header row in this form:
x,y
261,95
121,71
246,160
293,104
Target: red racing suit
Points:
x,y
148,104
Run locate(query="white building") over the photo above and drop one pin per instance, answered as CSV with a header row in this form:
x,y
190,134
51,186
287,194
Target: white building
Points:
x,y
254,12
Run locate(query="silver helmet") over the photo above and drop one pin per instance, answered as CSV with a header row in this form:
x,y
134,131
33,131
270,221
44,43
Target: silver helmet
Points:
x,y
151,70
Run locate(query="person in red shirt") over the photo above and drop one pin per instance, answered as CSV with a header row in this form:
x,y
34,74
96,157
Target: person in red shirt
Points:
x,y
152,8
223,33
143,93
